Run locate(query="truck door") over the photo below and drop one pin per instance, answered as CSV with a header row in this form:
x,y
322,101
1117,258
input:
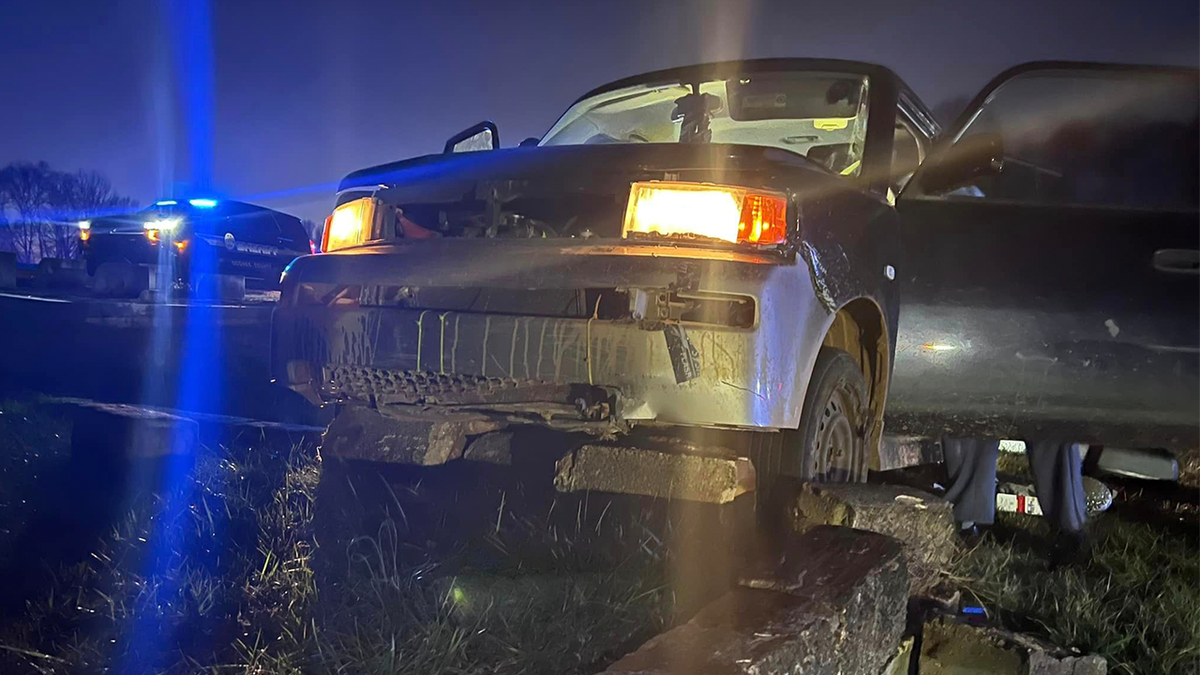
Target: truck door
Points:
x,y
1049,284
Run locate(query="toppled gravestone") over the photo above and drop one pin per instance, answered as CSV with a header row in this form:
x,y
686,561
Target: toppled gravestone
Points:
x,y
833,602
951,647
922,521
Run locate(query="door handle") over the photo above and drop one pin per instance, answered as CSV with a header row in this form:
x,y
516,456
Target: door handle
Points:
x,y
1177,260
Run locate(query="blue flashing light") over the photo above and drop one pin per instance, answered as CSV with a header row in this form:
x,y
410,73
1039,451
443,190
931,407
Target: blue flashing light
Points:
x,y
203,203
972,609
166,202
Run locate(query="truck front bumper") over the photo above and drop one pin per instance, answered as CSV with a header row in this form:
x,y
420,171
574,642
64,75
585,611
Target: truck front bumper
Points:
x,y
566,371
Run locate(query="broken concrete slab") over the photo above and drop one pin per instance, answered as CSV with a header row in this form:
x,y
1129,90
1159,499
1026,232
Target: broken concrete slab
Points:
x,y
220,287
493,448
922,521
120,280
112,431
952,647
833,603
60,273
393,436
826,560
666,475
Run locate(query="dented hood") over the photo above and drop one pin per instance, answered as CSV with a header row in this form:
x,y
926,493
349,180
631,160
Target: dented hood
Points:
x,y
595,169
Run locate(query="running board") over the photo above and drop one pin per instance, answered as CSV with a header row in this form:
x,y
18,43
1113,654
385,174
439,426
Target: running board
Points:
x,y
1125,462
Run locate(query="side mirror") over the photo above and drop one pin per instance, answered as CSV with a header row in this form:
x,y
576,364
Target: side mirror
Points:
x,y
482,136
963,163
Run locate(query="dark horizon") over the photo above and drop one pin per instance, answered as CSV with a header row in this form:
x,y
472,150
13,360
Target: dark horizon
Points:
x,y
283,100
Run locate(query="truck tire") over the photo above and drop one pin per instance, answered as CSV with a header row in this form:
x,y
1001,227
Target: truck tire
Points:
x,y
831,444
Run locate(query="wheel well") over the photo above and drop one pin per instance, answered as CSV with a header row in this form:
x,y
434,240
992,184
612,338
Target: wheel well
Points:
x,y
859,329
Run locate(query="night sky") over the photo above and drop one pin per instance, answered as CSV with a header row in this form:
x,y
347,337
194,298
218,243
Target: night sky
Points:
x,y
300,93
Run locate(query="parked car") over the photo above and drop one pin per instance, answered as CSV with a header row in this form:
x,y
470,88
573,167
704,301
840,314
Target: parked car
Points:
x,y
1051,282
708,247
230,237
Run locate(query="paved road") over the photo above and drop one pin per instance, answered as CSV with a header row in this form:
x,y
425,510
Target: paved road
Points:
x,y
203,357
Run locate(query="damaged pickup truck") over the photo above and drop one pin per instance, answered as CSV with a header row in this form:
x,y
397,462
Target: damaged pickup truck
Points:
x,y
697,262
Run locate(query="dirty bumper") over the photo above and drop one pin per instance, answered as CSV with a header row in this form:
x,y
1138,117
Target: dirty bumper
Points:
x,y
675,374
458,324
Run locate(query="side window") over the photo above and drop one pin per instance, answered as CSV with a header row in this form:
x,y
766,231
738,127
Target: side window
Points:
x,y
1124,138
291,231
254,224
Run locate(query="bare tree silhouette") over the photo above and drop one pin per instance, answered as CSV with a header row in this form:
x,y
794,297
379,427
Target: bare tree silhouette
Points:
x,y
40,208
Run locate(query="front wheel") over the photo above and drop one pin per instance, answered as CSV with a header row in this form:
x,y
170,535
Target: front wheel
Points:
x,y
831,444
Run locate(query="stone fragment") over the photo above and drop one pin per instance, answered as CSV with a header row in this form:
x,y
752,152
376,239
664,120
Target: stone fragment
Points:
x,y
665,475
952,647
493,448
834,602
922,521
362,433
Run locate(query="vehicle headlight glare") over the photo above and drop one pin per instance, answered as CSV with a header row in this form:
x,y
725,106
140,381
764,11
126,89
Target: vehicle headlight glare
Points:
x,y
350,224
704,210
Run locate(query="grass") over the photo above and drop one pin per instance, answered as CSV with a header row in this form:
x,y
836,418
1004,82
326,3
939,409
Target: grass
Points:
x,y
1136,601
231,569
217,573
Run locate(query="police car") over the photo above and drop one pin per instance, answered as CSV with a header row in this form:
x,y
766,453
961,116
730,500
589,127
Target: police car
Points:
x,y
198,234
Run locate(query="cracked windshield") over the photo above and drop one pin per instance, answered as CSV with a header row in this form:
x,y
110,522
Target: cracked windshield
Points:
x,y
629,339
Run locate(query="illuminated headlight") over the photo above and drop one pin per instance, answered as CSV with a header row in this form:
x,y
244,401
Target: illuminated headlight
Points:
x,y
154,228
349,225
707,211
85,230
165,224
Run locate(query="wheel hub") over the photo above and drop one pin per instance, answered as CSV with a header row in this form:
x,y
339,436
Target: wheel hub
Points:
x,y
839,441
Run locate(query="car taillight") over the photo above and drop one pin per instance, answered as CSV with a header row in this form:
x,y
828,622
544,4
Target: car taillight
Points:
x,y
350,224
726,213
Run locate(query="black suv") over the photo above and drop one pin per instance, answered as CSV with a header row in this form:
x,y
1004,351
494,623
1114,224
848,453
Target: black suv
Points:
x,y
207,235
